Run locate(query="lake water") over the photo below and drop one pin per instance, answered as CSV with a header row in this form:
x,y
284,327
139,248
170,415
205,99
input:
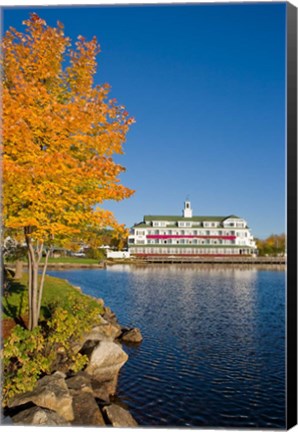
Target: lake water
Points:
x,y
213,352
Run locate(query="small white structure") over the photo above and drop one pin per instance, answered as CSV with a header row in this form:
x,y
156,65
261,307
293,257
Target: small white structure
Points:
x,y
187,211
118,254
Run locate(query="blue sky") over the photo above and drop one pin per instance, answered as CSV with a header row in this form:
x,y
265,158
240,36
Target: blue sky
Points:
x,y
206,85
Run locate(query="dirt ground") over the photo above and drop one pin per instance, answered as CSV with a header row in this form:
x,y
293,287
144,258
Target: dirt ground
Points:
x,y
8,324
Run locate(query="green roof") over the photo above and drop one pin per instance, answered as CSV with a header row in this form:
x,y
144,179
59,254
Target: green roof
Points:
x,y
173,219
193,219
140,225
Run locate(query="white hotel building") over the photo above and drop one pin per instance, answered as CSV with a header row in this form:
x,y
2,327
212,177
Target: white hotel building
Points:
x,y
191,235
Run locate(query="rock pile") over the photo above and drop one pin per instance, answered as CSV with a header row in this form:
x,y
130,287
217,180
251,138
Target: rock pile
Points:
x,y
81,399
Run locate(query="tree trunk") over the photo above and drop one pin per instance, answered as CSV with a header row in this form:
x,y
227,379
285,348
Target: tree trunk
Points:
x,y
19,270
42,282
35,286
34,295
30,324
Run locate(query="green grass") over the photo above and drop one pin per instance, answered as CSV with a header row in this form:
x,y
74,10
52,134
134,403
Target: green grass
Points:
x,y
66,260
56,292
72,260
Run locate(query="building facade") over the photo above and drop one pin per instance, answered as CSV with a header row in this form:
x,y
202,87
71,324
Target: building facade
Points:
x,y
191,235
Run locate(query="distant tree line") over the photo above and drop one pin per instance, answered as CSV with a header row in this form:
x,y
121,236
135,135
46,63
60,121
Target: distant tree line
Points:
x,y
107,237
274,245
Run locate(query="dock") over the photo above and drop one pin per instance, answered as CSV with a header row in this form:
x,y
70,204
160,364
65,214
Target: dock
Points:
x,y
214,260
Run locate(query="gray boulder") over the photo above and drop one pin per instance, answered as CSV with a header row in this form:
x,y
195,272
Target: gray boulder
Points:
x,y
101,390
39,416
100,301
109,315
106,360
50,392
86,411
131,335
119,417
81,382
104,331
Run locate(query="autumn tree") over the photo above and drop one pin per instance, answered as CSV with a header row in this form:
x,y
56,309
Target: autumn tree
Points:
x,y
273,245
116,239
60,132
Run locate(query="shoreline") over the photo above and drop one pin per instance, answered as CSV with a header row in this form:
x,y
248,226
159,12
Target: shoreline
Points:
x,y
85,397
257,263
199,262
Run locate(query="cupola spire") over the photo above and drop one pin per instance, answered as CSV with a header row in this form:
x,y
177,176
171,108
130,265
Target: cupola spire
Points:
x,y
187,211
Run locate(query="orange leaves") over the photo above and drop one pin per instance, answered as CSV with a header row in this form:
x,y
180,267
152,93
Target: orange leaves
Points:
x,y
82,65
34,56
34,19
59,134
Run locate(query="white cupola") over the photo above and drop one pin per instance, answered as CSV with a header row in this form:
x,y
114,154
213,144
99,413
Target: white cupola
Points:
x,y
187,211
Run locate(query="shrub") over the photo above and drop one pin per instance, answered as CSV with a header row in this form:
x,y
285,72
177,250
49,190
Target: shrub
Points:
x,y
23,361
95,253
27,355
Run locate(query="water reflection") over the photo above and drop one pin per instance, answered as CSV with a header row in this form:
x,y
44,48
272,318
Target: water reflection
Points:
x,y
213,349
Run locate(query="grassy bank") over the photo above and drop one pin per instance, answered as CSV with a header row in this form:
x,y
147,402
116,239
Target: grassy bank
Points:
x,y
56,293
72,260
66,315
62,260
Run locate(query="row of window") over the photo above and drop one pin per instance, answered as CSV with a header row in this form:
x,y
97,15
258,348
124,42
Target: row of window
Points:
x,y
190,251
193,232
187,241
200,224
